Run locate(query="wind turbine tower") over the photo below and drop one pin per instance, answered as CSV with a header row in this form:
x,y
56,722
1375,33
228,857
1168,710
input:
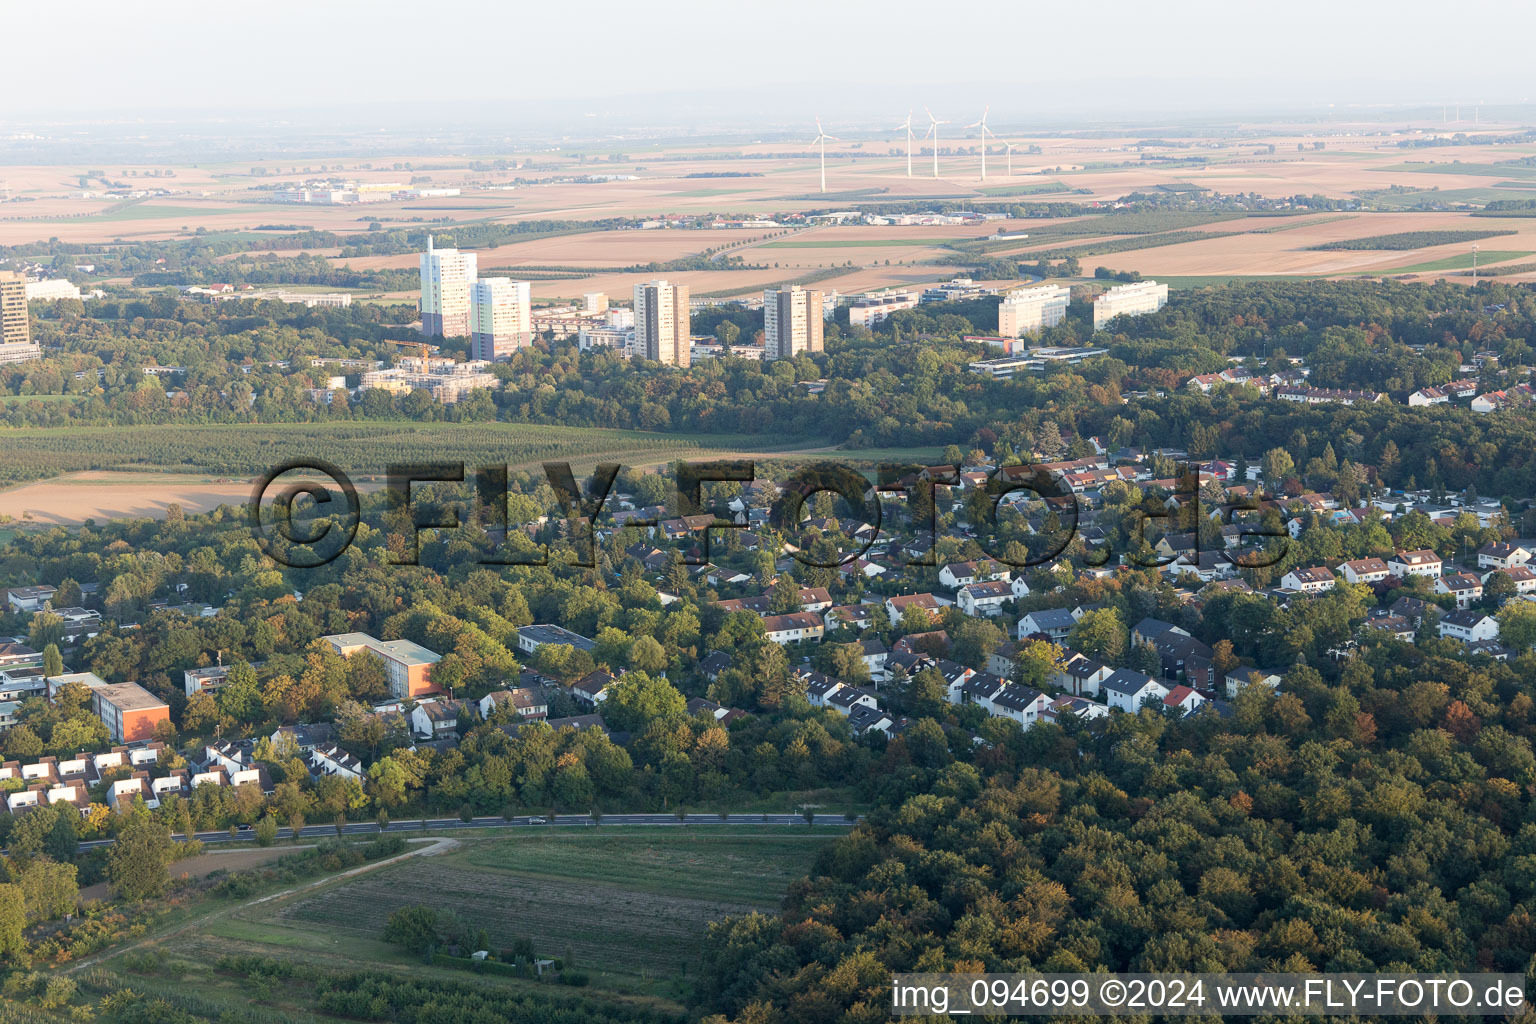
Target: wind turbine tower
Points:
x,y
821,139
907,124
933,131
985,131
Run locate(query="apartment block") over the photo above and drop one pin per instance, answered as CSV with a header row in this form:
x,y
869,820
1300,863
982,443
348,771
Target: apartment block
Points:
x,y
1129,300
447,278
500,318
792,322
407,665
16,344
663,323
1029,310
129,711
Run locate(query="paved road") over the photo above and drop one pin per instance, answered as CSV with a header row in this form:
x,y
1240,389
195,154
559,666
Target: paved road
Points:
x,y
522,821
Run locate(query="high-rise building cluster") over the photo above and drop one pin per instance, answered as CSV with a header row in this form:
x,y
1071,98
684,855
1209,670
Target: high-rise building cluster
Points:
x,y
792,322
494,313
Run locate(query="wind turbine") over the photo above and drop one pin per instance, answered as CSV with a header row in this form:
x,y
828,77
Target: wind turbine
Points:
x,y
982,124
907,124
933,130
821,139
1008,148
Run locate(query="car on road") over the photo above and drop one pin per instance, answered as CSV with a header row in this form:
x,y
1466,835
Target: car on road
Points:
x,y
538,821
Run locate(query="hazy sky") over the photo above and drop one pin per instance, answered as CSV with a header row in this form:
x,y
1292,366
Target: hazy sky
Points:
x,y
518,62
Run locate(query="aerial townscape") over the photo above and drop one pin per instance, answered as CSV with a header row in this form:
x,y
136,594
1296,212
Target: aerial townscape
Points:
x,y
680,544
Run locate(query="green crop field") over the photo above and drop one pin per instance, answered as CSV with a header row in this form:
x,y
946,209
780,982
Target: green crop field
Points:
x,y
1448,197
1461,261
143,212
1482,170
855,243
359,448
631,902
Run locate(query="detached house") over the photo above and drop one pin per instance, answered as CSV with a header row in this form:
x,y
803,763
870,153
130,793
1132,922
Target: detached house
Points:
x,y
1415,563
434,719
523,700
895,606
963,574
1055,623
984,598
1128,690
1312,580
796,627
1365,570
1469,626
1463,586
1503,555
1020,703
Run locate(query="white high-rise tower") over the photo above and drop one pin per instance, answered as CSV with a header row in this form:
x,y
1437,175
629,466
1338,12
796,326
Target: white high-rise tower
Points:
x,y
500,317
447,277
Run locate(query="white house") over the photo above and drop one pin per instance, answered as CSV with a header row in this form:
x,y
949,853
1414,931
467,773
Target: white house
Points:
x,y
1183,699
1469,626
1128,690
1503,555
1081,675
984,598
894,606
30,599
1415,563
1062,707
1023,704
1365,570
962,574
1055,623
1313,580
1463,586
796,627
1522,576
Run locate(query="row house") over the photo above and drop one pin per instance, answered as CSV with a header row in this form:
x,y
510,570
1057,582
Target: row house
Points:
x,y
1316,396
43,794
330,759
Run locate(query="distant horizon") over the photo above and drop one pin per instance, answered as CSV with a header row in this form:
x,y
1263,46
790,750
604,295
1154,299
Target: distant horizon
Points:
x,y
704,63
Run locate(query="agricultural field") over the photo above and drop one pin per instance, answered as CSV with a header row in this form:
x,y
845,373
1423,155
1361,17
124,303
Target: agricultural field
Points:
x,y
772,177
623,904
246,450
